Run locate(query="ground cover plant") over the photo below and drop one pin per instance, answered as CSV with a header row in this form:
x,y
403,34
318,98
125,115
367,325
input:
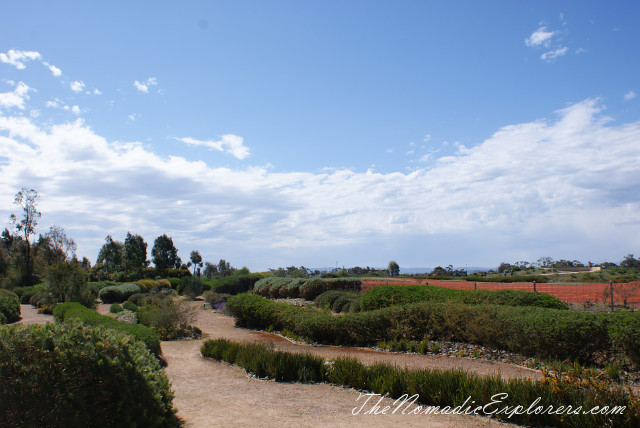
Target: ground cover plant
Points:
x,y
389,295
71,375
89,317
169,316
9,307
444,388
538,332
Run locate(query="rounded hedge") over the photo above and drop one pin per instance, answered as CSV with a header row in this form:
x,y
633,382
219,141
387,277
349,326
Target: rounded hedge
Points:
x,y
9,307
70,375
118,293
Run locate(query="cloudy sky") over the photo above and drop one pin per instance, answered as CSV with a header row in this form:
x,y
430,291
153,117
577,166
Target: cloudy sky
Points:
x,y
278,133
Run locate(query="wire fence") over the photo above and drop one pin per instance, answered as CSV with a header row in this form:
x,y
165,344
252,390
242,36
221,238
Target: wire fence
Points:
x,y
585,296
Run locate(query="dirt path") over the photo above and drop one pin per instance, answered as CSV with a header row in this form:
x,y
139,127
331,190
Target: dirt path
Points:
x,y
29,315
210,393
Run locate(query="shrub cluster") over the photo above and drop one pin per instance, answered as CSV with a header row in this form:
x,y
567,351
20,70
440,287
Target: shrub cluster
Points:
x,y
147,285
191,286
308,289
69,375
118,293
338,301
540,279
440,388
547,333
388,295
89,317
9,307
25,293
234,284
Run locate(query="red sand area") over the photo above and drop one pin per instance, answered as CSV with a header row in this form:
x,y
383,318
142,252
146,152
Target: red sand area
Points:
x,y
571,293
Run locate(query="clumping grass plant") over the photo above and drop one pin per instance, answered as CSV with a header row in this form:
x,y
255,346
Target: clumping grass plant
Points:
x,y
577,388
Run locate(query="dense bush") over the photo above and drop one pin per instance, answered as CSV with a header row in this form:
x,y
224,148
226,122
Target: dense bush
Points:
x,y
177,273
214,299
68,375
442,388
118,293
129,306
9,307
338,301
115,308
89,317
25,293
309,289
548,333
170,318
191,286
234,284
388,295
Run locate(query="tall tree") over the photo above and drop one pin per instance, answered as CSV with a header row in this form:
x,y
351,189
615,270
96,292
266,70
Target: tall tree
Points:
x,y
196,259
27,200
224,268
135,252
210,270
164,253
111,254
393,268
60,243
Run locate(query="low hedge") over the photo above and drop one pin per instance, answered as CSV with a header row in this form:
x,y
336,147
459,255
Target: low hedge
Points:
x,y
9,307
446,389
234,284
547,333
71,375
308,289
118,293
338,301
25,293
66,311
388,295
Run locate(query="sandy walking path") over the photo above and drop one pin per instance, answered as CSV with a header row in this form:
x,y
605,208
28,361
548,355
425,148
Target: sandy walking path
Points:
x,y
211,393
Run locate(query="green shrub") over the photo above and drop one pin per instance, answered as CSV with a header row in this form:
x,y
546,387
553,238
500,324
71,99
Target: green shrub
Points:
x,y
66,311
177,273
25,293
118,293
170,318
338,301
9,307
129,306
389,295
234,284
548,333
115,308
191,286
70,375
174,282
213,298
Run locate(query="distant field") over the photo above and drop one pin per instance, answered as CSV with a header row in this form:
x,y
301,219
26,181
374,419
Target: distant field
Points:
x,y
571,293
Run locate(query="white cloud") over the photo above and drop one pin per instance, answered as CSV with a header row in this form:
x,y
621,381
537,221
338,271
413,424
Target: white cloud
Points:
x,y
581,50
97,92
540,37
18,58
76,110
144,86
17,97
552,55
77,86
229,143
54,70
426,138
630,95
572,180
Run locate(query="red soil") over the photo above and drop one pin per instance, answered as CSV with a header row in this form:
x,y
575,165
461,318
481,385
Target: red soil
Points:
x,y
571,293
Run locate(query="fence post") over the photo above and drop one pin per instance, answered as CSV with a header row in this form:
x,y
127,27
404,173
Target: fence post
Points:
x,y
611,293
534,286
475,285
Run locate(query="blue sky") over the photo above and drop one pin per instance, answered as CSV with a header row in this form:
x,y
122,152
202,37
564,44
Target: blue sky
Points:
x,y
276,133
